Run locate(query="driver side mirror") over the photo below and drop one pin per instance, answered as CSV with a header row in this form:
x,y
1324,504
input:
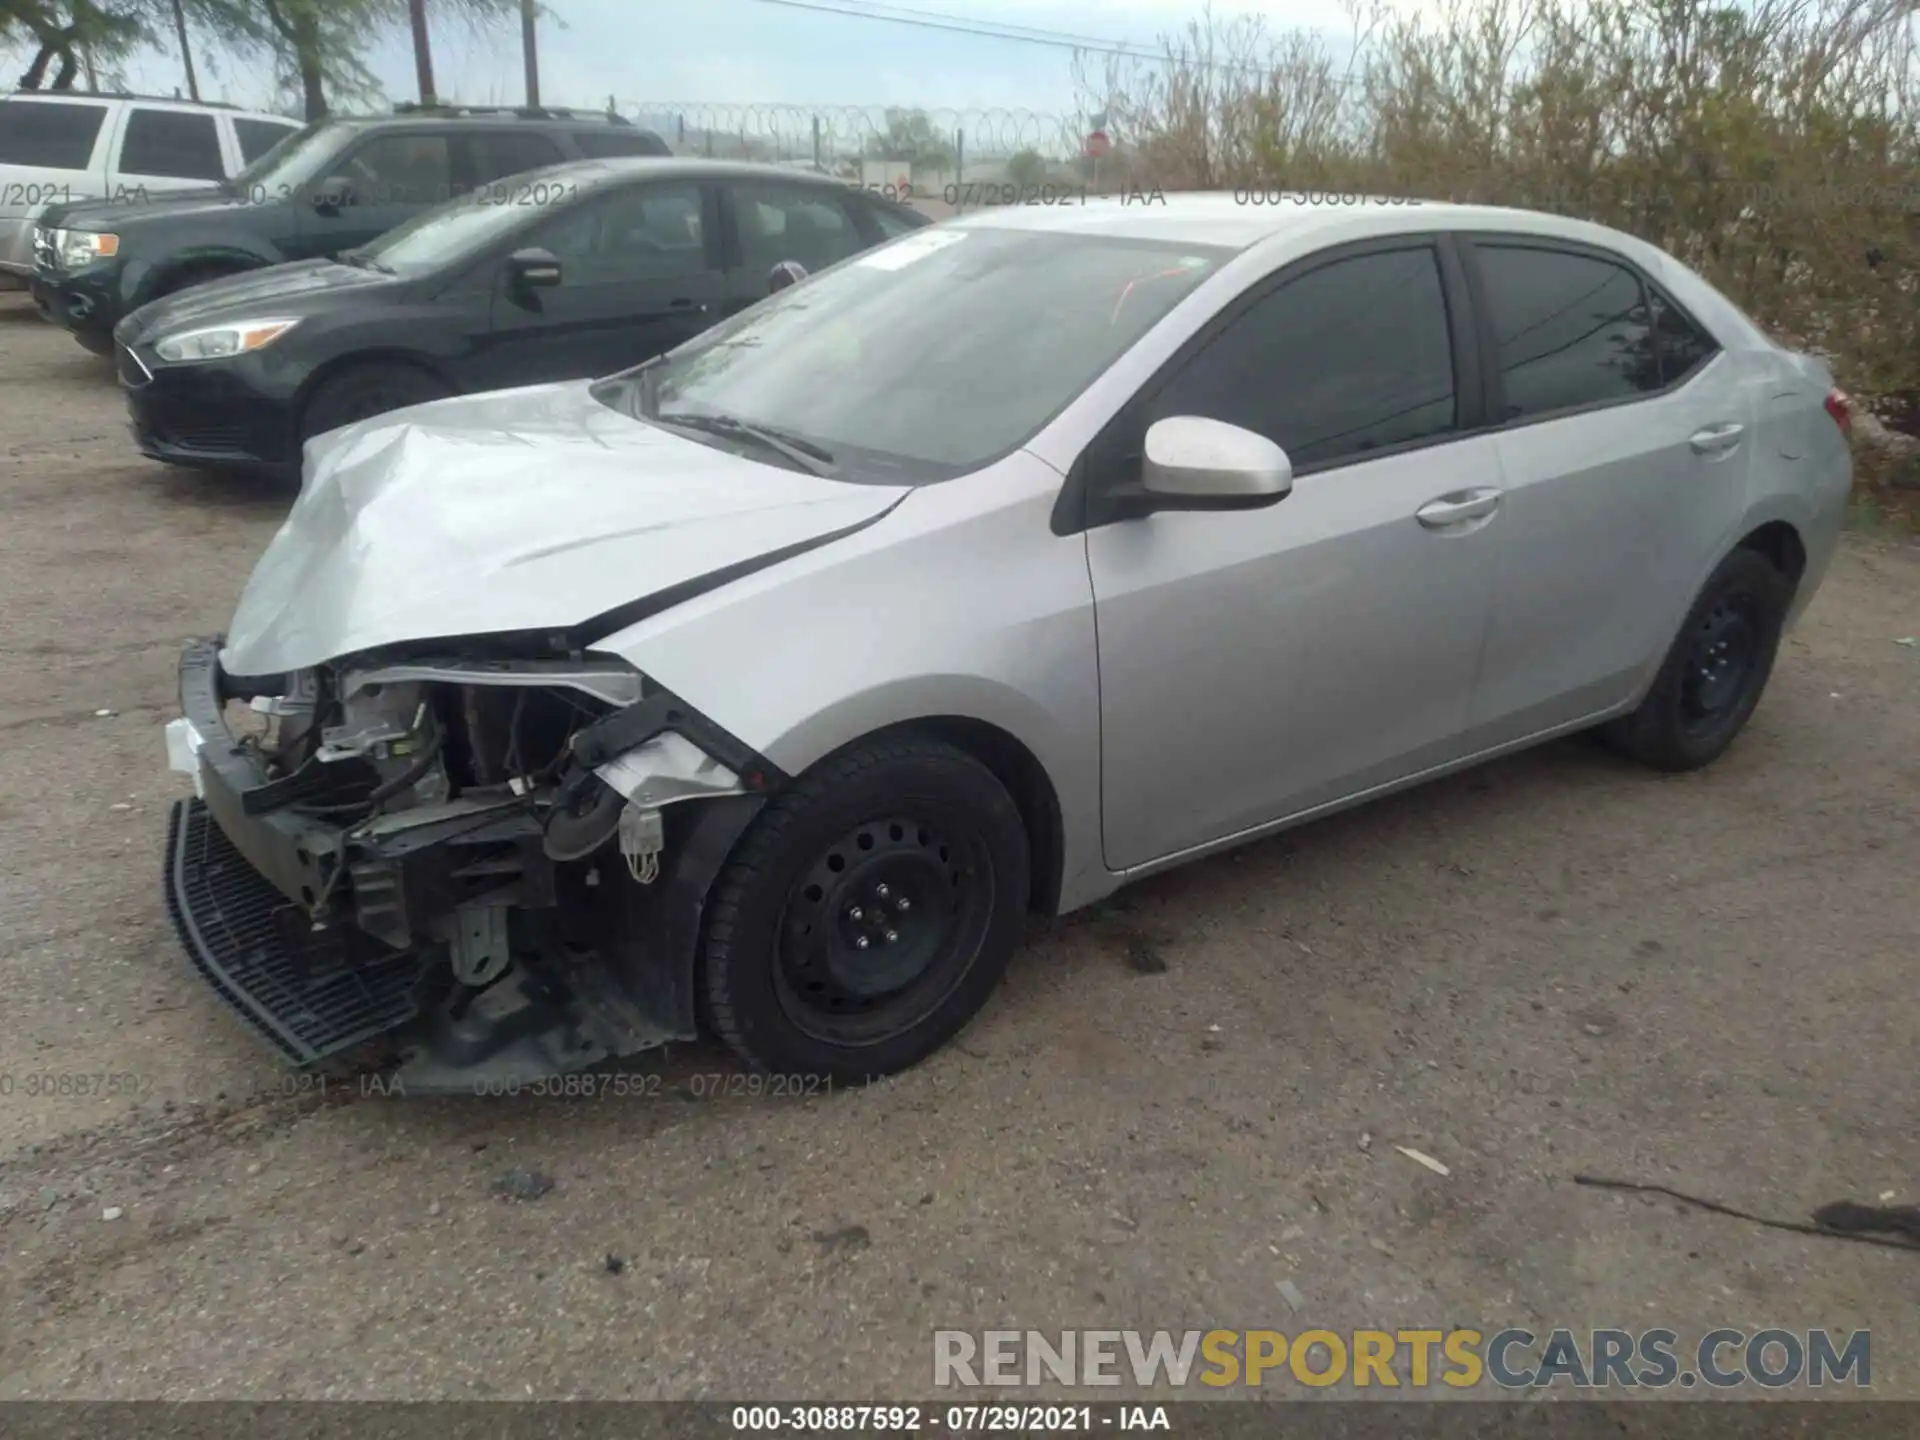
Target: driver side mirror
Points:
x,y
787,272
1193,463
333,195
533,269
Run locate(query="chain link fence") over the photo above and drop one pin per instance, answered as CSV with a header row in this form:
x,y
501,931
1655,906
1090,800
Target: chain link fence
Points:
x,y
925,153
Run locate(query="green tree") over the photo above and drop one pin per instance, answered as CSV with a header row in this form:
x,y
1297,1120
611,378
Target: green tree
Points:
x,y
63,32
910,136
1026,168
319,47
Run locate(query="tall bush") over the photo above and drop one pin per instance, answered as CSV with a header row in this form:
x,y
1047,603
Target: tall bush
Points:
x,y
1773,146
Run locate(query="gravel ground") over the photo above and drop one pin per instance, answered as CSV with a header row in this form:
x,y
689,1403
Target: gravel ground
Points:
x,y
1558,964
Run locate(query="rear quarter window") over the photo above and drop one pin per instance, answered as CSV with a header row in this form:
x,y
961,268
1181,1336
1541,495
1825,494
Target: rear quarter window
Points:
x,y
613,142
48,134
1683,346
894,223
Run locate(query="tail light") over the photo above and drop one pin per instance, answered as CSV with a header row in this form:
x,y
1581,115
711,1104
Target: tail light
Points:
x,y
1840,407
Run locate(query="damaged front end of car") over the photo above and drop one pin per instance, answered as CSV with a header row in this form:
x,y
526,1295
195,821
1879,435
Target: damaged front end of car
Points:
x,y
473,869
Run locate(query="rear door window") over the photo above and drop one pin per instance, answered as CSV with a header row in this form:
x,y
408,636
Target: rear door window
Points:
x,y
1570,330
49,134
257,137
176,144
495,156
810,224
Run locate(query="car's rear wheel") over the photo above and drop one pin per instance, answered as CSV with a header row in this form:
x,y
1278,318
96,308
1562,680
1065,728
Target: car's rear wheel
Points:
x,y
868,912
1715,671
364,392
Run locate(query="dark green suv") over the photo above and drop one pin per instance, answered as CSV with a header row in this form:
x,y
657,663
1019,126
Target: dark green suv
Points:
x,y
324,189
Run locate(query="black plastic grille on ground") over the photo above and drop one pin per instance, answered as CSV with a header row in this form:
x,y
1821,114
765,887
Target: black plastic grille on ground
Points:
x,y
307,995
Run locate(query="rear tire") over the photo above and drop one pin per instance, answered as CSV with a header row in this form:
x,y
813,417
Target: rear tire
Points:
x,y
867,914
365,391
1715,671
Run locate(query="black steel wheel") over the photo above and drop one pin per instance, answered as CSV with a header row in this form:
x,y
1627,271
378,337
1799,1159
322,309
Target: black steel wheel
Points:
x,y
364,391
1714,672
881,928
1723,649
868,912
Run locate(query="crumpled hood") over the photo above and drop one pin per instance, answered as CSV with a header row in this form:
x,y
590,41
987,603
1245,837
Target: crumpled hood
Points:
x,y
530,509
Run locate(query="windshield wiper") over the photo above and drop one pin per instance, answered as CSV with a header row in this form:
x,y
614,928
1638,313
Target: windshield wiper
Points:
x,y
803,453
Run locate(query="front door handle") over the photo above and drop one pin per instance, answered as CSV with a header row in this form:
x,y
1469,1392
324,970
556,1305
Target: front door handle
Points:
x,y
1458,508
1716,439
697,306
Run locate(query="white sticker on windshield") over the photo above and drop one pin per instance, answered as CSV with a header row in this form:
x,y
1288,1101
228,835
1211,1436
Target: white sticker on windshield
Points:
x,y
909,248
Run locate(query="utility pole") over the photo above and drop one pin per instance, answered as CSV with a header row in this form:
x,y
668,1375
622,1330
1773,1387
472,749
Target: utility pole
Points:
x,y
530,52
186,49
422,53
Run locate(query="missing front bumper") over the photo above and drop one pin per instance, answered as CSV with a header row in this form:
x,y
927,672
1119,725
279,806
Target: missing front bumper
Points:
x,y
323,939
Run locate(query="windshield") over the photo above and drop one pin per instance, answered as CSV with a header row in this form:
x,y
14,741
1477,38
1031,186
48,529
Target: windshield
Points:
x,y
446,232
291,163
930,356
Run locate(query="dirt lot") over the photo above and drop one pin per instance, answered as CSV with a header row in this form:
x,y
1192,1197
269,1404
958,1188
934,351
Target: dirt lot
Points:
x,y
1559,964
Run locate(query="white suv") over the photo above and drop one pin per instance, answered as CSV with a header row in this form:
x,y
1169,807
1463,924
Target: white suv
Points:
x,y
59,146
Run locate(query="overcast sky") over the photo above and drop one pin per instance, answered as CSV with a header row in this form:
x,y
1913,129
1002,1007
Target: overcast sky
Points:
x,y
758,51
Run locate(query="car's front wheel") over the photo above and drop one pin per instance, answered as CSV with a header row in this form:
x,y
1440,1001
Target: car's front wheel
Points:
x,y
1715,670
364,391
868,912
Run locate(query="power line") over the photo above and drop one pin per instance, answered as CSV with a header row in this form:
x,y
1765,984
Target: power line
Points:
x,y
909,14
1019,34
960,25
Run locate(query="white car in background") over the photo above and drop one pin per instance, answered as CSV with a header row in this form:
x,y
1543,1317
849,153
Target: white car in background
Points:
x,y
59,146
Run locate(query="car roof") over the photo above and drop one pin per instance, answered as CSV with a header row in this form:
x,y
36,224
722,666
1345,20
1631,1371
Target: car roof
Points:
x,y
168,102
1241,219
595,120
615,168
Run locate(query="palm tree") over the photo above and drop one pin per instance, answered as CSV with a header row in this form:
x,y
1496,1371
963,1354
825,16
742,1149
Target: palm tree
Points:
x,y
422,51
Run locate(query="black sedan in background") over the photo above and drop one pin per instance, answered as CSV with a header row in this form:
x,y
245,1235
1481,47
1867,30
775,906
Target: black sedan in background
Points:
x,y
558,274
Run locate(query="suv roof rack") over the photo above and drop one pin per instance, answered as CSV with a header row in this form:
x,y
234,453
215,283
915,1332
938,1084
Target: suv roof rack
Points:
x,y
115,95
519,112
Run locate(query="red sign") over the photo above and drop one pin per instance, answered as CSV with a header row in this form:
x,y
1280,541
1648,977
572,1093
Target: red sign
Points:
x,y
1098,145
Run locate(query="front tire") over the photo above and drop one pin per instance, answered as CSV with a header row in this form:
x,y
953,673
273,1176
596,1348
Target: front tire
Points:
x,y
868,912
364,391
194,275
1714,672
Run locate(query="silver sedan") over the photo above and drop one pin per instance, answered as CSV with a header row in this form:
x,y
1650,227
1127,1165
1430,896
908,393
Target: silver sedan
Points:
x,y
765,689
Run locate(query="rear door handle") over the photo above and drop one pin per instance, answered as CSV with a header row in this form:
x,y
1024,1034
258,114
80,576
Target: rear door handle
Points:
x,y
1716,439
1458,508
